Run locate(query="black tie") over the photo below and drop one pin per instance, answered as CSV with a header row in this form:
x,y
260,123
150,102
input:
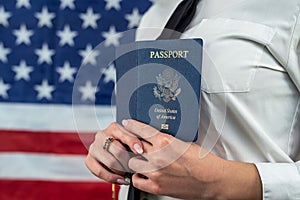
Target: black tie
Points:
x,y
180,19
175,26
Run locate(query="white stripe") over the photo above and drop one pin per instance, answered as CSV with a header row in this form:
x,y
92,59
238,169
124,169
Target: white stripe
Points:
x,y
23,166
50,117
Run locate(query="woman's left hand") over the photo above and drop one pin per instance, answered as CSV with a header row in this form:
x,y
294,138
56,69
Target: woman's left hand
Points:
x,y
180,169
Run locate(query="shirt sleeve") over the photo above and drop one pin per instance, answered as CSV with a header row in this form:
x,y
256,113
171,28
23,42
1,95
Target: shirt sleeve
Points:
x,y
293,64
280,180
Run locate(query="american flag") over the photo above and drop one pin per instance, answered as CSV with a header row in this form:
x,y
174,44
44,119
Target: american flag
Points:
x,y
42,46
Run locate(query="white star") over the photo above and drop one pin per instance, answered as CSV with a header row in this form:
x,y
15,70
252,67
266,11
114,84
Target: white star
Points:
x,y
23,35
88,91
112,37
3,53
3,89
153,1
67,36
133,18
89,18
4,16
112,4
44,54
44,18
67,3
22,71
66,72
110,74
44,90
23,3
89,55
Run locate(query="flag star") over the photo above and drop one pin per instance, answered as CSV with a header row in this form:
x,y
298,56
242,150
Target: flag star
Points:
x,y
22,71
67,36
110,74
44,18
133,18
4,17
3,53
88,91
23,35
112,37
67,3
23,3
89,55
153,1
44,54
112,4
44,90
66,72
3,89
89,18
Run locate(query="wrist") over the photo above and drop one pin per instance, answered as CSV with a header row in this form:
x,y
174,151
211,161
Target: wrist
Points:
x,y
240,181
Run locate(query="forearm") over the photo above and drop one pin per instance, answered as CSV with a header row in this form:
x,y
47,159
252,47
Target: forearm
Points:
x,y
227,179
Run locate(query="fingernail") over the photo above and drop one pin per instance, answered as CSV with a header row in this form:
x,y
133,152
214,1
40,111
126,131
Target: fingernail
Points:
x,y
124,122
123,182
138,148
127,180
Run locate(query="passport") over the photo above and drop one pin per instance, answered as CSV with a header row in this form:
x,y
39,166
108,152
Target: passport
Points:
x,y
159,83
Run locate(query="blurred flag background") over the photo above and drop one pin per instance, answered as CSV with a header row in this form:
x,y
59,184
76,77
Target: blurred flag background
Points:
x,y
42,45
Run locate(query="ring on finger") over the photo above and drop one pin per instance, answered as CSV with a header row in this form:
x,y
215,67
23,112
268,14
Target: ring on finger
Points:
x,y
107,143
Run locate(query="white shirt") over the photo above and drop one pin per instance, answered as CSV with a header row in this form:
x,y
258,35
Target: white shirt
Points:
x,y
250,104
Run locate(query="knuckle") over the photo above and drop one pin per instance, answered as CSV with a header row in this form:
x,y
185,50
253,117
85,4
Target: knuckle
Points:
x,y
135,184
130,140
98,135
114,125
98,172
91,148
111,127
164,141
155,176
156,189
95,170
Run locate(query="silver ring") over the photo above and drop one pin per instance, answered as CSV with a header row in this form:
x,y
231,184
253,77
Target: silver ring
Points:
x,y
107,143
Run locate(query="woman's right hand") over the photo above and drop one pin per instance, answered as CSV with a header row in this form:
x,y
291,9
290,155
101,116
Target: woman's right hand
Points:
x,y
111,164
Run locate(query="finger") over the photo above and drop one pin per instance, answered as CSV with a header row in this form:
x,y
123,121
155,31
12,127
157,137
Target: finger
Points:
x,y
145,184
121,134
141,165
147,146
160,184
140,129
153,140
106,158
98,170
117,150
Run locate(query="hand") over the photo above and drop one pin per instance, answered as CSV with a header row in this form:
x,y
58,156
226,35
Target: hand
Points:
x,y
112,164
175,168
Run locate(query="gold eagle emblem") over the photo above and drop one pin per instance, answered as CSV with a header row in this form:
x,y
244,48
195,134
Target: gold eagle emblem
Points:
x,y
167,88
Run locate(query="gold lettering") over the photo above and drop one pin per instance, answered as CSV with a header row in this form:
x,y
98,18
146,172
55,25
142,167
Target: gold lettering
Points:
x,y
172,111
169,54
152,54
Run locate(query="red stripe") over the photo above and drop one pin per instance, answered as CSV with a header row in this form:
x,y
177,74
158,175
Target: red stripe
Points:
x,y
47,190
44,142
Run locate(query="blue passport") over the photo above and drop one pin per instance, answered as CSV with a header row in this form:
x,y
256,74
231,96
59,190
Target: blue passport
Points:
x,y
159,83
